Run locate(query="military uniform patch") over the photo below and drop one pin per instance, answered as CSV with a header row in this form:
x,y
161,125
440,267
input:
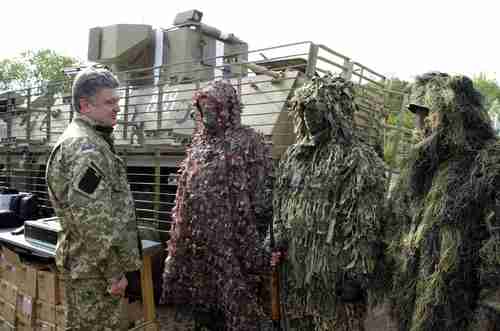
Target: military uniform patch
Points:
x,y
90,181
88,147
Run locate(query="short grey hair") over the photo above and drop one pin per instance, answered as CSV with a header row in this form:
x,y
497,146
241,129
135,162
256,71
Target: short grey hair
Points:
x,y
89,81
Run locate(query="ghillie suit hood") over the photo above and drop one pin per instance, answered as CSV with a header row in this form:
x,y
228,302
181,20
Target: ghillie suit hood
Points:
x,y
443,248
331,96
223,197
223,101
327,203
456,124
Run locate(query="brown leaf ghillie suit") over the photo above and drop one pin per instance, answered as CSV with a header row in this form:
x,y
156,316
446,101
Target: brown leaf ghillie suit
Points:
x,y
328,198
445,212
216,254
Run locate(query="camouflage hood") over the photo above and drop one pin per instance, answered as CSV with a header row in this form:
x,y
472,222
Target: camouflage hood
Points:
x,y
455,111
453,123
332,96
221,99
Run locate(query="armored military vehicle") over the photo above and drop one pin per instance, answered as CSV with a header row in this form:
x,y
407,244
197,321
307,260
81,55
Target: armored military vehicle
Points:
x,y
160,69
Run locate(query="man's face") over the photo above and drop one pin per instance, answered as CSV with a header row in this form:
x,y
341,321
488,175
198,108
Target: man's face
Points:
x,y
425,103
314,121
208,116
103,108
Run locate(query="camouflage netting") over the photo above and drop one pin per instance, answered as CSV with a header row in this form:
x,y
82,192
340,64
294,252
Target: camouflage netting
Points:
x,y
328,196
223,201
445,241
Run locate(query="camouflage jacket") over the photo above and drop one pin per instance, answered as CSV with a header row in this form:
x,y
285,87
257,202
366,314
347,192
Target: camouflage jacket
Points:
x,y
88,188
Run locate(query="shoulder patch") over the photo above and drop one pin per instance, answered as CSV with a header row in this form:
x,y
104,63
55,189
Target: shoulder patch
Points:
x,y
87,147
90,181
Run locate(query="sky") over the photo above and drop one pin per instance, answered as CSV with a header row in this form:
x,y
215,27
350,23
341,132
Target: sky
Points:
x,y
396,38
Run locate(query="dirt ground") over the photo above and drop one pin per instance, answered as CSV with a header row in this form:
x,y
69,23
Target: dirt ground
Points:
x,y
169,320
378,320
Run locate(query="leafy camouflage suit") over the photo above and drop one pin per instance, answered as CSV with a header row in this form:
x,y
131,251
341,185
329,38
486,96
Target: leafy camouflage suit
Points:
x,y
89,191
446,213
328,196
216,256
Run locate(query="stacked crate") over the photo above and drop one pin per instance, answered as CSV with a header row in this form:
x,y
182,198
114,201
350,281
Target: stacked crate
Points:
x,y
51,311
8,290
31,296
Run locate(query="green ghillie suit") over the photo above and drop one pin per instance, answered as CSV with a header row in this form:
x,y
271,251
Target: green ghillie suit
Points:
x,y
445,213
327,203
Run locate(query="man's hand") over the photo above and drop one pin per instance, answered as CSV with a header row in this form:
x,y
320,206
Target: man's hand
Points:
x,y
118,286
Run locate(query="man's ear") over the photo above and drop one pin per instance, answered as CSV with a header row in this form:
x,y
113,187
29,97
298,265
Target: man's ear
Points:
x,y
84,105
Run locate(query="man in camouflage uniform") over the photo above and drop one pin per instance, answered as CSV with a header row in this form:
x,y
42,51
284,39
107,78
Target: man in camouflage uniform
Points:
x,y
87,184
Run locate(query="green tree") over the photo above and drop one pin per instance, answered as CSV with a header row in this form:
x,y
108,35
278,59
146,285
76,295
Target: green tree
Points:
x,y
33,68
398,122
490,89
12,74
495,107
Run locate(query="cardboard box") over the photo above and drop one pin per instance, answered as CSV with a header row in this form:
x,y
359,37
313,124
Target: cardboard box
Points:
x,y
152,327
8,265
10,256
44,326
5,326
8,312
45,312
61,290
22,326
8,292
61,316
26,309
9,273
27,279
47,287
2,259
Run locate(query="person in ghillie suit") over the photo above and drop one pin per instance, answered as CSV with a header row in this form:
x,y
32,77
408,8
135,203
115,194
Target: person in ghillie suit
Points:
x,y
328,198
445,213
222,210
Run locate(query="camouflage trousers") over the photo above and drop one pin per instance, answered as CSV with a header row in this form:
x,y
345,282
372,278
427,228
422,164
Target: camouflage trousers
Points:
x,y
90,307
